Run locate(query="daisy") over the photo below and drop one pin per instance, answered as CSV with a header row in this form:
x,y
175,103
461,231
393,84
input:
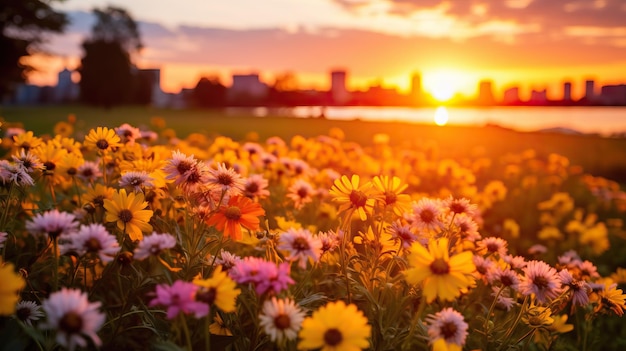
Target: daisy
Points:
x,y
609,297
353,196
23,140
153,245
580,289
127,134
541,280
239,212
516,262
227,260
70,313
329,240
460,206
219,290
467,227
255,187
402,233
537,249
52,224
98,194
28,160
335,327
492,245
505,300
301,192
102,138
95,239
281,319
12,283
89,171
426,215
136,181
129,213
179,297
15,173
506,278
447,330
391,189
28,312
264,275
226,180
300,245
185,170
441,274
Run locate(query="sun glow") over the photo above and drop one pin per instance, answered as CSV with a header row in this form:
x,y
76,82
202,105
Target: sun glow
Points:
x,y
441,116
442,85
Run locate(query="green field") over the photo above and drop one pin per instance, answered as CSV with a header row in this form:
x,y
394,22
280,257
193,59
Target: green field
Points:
x,y
597,155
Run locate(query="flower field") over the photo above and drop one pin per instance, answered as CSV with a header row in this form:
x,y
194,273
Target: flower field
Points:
x,y
129,239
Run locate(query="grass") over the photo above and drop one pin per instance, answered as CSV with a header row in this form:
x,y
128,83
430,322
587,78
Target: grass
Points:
x,y
597,155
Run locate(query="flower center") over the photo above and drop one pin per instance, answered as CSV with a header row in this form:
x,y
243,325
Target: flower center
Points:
x,y
448,330
49,166
427,216
541,282
333,337
93,245
282,321
23,313
440,266
71,323
303,192
506,280
492,247
358,198
232,213
183,167
300,244
207,296
456,207
225,179
390,197
252,188
125,215
102,144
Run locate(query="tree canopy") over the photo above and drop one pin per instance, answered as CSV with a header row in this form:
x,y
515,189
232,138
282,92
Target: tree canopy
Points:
x,y
106,70
23,24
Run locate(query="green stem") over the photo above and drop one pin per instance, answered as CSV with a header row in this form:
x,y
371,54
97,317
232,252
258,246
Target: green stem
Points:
x,y
186,331
55,265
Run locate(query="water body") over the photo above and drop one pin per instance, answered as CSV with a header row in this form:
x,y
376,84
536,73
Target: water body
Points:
x,y
600,120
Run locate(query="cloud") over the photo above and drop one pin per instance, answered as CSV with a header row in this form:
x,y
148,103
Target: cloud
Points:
x,y
551,16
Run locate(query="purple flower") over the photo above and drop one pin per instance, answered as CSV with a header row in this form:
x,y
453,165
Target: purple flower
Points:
x,y
540,279
179,297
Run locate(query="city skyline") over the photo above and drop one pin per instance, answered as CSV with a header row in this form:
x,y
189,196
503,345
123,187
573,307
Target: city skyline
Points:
x,y
532,44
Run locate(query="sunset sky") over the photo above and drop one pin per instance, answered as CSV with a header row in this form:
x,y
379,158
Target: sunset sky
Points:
x,y
534,44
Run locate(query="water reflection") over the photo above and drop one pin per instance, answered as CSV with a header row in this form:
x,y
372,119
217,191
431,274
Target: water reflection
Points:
x,y
441,116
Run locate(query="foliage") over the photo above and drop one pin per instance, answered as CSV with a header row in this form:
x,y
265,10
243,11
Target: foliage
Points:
x,y
22,27
107,77
205,242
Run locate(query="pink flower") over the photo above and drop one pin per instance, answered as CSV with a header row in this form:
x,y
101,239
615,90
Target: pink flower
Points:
x,y
70,313
540,279
153,245
179,297
300,246
265,276
53,224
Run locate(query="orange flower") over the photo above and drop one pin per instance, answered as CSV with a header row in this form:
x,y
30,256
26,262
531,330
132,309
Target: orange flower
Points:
x,y
240,211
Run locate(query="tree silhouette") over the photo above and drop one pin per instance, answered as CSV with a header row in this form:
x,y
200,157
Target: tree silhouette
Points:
x,y
22,25
106,70
209,92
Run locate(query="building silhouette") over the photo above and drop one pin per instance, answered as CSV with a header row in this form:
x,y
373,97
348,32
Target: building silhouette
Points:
x,y
338,89
567,92
590,93
416,88
485,93
247,88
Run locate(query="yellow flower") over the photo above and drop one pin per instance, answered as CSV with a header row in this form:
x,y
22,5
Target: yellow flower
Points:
x,y
353,197
218,327
220,290
610,298
12,283
26,141
537,317
128,211
391,190
63,128
560,324
102,138
442,275
335,327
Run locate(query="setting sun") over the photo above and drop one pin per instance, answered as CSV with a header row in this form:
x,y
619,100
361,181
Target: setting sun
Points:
x,y
441,85
441,116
